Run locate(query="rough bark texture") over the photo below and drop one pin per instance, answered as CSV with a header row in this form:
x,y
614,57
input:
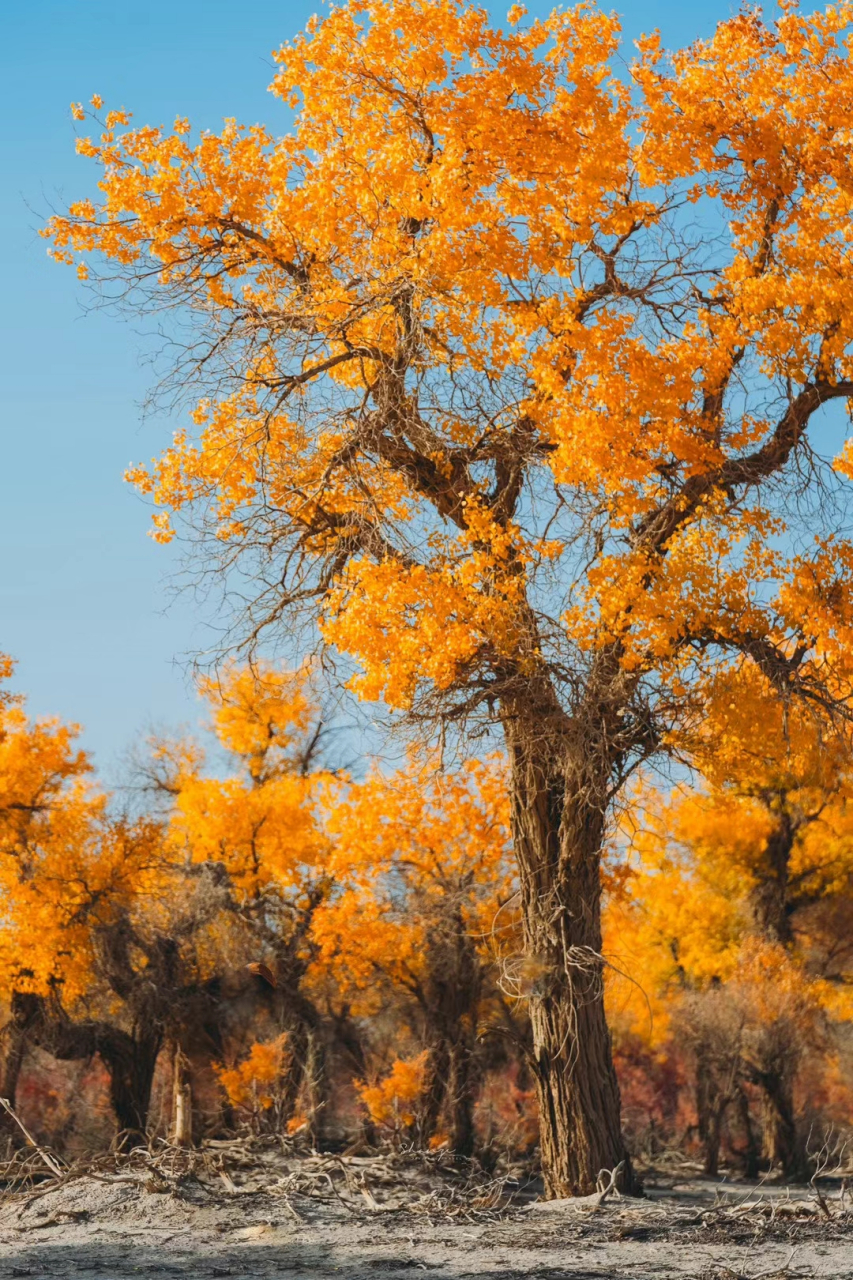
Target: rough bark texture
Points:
x,y
558,828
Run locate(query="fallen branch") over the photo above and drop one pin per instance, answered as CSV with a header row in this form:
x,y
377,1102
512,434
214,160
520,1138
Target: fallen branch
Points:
x,y
55,1168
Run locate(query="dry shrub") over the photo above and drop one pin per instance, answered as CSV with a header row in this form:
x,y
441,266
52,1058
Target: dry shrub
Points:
x,y
657,1107
507,1115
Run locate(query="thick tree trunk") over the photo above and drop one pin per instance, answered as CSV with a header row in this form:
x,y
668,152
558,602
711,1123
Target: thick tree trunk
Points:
x,y
558,826
131,1062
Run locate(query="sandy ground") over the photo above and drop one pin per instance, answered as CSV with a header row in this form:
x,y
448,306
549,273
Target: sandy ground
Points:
x,y
337,1221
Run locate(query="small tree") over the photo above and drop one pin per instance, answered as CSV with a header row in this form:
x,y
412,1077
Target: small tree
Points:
x,y
426,873
258,833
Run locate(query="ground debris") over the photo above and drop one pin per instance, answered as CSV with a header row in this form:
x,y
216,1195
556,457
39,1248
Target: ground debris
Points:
x,y
261,1208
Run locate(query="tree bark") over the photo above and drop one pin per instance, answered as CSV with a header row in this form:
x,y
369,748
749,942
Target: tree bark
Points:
x,y
558,816
770,898
751,1151
182,1104
785,1146
131,1062
461,1100
449,997
435,1091
14,1051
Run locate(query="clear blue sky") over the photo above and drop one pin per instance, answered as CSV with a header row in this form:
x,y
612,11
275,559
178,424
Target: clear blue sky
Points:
x,y
84,605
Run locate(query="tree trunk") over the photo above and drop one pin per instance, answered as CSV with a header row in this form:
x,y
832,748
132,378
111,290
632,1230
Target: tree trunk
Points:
x,y
558,815
449,997
461,1100
182,1104
316,1087
770,900
435,1091
785,1146
713,1136
711,1107
131,1062
290,1085
14,1051
751,1151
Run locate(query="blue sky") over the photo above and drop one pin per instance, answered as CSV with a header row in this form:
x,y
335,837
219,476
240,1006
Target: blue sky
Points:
x,y
84,600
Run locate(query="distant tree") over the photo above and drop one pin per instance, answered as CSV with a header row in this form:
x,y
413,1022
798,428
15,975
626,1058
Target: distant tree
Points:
x,y
257,830
743,891
426,875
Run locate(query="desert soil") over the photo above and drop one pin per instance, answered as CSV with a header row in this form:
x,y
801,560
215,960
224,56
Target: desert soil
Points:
x,y
323,1217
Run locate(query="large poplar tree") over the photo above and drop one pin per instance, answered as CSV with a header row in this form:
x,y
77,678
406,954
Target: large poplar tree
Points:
x,y
508,369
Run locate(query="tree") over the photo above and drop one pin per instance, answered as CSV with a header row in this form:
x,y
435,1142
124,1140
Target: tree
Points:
x,y
44,805
508,372
258,832
425,881
108,944
739,902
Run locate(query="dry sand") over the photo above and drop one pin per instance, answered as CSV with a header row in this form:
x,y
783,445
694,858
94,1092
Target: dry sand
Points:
x,y
321,1218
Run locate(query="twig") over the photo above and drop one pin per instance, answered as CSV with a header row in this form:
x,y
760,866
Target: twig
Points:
x,y
55,1168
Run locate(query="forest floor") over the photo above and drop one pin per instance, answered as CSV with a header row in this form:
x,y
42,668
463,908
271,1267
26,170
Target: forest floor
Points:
x,y
245,1212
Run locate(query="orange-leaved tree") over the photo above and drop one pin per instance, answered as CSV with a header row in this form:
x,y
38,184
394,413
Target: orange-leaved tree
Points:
x,y
81,971
751,875
508,369
425,911
257,830
46,810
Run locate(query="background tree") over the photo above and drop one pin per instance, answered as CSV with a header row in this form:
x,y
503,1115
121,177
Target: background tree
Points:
x,y
258,832
739,902
108,944
509,371
427,875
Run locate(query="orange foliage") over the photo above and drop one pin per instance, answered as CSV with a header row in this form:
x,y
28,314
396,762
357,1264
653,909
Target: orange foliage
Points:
x,y
413,851
252,1084
457,217
393,1102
